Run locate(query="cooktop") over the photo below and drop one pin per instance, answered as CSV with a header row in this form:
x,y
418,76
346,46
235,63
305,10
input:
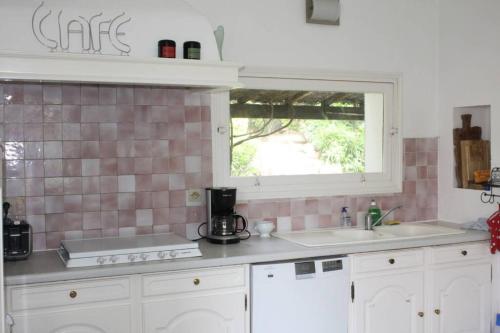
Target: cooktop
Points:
x,y
120,250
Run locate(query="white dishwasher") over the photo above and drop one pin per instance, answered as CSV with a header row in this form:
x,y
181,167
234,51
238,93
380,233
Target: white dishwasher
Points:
x,y
301,296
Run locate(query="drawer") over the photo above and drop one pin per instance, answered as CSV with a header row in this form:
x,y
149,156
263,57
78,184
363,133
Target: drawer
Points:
x,y
387,260
63,294
193,281
459,253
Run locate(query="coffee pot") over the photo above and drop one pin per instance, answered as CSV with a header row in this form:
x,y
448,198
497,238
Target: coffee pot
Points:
x,y
224,224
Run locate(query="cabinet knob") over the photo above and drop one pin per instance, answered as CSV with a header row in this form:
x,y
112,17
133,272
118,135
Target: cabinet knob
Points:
x,y
420,314
196,282
392,261
437,311
464,253
73,294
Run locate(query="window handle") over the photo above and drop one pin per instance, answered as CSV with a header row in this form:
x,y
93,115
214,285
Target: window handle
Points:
x,y
394,130
257,182
9,321
222,129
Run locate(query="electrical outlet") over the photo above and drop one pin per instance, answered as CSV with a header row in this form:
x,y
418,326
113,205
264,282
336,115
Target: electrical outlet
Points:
x,y
194,197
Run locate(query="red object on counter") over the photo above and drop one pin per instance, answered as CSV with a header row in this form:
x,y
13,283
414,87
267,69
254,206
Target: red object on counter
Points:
x,y
494,224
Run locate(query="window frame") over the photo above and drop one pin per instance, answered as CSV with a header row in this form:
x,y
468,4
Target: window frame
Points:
x,y
296,186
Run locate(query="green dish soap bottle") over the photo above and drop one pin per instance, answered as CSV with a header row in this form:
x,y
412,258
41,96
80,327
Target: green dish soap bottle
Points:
x,y
374,211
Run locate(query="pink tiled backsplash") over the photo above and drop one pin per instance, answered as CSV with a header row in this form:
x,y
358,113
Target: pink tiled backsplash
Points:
x,y
86,161
419,197
91,161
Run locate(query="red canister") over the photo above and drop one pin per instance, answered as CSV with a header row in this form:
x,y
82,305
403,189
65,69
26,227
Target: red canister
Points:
x,y
166,48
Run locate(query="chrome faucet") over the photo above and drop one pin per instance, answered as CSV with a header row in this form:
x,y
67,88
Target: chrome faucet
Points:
x,y
369,223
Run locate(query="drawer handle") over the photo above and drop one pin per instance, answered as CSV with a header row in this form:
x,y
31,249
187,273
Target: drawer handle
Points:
x,y
196,282
420,314
464,253
392,261
437,311
73,294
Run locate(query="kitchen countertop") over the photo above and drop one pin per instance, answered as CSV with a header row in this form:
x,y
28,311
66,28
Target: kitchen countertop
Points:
x,y
47,267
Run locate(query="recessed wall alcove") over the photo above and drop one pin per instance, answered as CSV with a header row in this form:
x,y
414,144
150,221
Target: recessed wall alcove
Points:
x,y
471,141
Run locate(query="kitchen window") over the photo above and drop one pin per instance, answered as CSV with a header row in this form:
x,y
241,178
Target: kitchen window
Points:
x,y
296,135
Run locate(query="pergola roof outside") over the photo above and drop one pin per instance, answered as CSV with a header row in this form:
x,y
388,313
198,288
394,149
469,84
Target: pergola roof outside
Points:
x,y
288,104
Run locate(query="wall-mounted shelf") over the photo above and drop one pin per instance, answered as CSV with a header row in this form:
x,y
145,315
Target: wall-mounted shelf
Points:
x,y
117,70
489,196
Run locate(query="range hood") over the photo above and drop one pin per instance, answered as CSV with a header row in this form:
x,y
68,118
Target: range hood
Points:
x,y
117,70
108,42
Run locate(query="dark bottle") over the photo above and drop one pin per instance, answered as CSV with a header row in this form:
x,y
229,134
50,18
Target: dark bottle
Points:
x,y
192,50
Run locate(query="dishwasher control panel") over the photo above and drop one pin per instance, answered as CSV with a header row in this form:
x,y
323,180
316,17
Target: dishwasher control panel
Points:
x,y
305,270
332,265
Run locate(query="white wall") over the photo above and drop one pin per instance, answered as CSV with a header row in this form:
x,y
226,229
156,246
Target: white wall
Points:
x,y
469,74
383,35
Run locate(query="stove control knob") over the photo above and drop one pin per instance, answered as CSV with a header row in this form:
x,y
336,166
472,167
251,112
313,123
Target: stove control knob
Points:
x,y
173,254
132,257
101,260
161,254
144,256
113,259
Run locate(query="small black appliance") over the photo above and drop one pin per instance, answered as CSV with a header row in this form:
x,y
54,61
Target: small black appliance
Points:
x,y
223,225
17,237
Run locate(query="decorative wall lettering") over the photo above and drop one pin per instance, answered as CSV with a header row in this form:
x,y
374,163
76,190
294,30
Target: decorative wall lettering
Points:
x,y
94,32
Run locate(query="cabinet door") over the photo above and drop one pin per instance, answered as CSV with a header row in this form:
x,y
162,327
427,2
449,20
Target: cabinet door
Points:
x,y
388,304
196,314
461,299
111,319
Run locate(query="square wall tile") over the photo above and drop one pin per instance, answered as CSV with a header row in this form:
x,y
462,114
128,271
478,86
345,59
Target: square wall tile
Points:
x,y
126,183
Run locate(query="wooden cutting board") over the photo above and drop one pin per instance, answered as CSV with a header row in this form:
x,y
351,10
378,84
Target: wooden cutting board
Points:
x,y
475,155
467,132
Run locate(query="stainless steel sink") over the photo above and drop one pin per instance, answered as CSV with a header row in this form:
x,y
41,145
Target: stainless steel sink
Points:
x,y
330,237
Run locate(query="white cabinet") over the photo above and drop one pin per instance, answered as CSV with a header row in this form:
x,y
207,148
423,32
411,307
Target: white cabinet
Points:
x,y
389,289
107,319
208,301
388,292
460,293
90,306
389,304
191,314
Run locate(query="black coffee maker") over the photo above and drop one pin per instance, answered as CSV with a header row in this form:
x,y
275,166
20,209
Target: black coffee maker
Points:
x,y
223,225
17,237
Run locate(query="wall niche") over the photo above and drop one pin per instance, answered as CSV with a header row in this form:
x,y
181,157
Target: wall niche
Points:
x,y
471,144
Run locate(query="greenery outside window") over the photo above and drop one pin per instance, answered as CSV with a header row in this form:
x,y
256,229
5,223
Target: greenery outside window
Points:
x,y
291,135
